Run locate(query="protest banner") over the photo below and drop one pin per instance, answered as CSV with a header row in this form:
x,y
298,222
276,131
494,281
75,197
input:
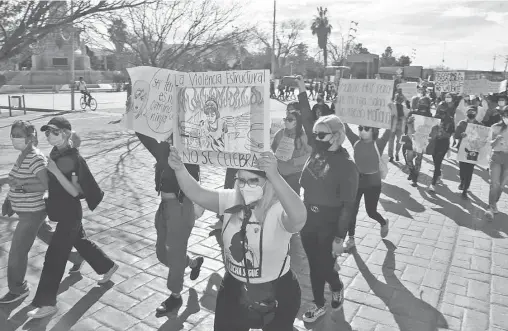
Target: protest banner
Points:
x,y
425,129
408,89
152,101
481,86
449,81
223,118
365,102
503,86
475,146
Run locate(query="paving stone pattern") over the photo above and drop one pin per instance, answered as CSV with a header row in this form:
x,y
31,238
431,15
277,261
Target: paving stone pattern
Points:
x,y
441,267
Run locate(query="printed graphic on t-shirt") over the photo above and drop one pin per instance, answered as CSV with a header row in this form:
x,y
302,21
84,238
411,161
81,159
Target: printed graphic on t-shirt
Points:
x,y
234,255
318,166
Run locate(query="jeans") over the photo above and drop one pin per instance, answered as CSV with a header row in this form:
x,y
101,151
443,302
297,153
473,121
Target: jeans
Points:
x,y
174,222
29,226
442,146
414,162
394,136
317,237
371,196
466,174
231,316
498,176
67,234
293,181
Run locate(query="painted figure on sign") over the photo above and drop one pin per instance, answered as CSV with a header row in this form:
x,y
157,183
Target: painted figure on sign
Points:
x,y
216,132
139,98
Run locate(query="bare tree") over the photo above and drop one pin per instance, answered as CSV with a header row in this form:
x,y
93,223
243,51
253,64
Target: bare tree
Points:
x,y
287,38
177,34
24,22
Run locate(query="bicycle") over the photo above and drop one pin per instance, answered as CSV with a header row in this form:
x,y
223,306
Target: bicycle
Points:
x,y
92,105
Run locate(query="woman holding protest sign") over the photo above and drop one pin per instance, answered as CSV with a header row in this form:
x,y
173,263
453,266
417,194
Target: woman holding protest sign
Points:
x,y
261,214
368,151
465,169
291,147
498,162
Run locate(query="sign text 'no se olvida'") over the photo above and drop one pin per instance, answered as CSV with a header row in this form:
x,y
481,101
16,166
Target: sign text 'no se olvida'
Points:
x,y
365,102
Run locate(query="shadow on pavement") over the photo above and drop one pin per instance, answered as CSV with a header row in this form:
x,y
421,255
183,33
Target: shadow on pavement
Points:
x,y
409,312
81,307
175,324
404,204
209,296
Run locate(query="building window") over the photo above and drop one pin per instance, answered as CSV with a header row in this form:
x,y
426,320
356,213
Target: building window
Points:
x,y
60,61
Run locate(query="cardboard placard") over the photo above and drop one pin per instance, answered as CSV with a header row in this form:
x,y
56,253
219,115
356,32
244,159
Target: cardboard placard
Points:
x,y
449,81
475,146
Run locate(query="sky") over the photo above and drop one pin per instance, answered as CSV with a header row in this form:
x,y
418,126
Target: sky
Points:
x,y
468,33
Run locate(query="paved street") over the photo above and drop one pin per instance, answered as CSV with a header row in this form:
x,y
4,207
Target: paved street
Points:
x,y
441,267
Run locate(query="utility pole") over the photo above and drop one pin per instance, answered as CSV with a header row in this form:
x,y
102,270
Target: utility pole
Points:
x,y
273,39
505,65
73,73
494,63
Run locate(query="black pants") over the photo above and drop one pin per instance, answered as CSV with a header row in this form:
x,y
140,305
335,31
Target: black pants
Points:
x,y
466,174
231,316
67,234
317,237
442,146
371,197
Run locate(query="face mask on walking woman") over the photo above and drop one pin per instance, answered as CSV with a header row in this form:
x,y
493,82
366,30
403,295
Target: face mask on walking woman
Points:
x,y
19,143
54,140
251,194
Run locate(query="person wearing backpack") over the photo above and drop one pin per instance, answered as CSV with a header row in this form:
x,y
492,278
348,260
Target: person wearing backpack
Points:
x,y
368,155
291,147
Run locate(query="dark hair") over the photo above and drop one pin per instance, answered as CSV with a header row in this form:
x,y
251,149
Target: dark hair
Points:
x,y
375,133
299,125
29,130
294,104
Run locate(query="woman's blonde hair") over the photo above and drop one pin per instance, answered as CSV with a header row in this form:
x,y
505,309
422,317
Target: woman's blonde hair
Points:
x,y
73,140
267,201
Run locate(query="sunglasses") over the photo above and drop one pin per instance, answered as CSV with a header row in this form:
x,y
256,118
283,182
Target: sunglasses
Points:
x,y
288,119
366,128
252,182
321,135
53,131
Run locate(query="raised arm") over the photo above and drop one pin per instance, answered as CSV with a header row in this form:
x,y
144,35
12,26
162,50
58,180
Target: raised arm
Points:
x,y
351,136
150,144
381,142
206,198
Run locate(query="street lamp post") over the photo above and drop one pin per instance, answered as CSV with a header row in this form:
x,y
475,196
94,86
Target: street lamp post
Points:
x,y
73,73
273,39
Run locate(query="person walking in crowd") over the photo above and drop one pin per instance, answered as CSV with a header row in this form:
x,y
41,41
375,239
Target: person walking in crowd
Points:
x,y
494,115
368,149
28,181
174,221
320,108
330,183
498,162
69,179
442,139
399,113
466,169
261,213
291,147
311,90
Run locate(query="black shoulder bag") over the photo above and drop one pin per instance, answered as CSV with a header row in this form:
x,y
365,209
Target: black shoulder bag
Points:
x,y
259,299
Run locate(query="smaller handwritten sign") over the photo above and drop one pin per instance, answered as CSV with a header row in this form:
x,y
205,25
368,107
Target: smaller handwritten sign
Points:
x,y
365,102
409,89
423,128
285,149
449,81
481,86
475,147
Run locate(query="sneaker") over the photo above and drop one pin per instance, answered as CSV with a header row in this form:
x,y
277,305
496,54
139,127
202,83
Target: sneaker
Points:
x,y
194,274
489,214
13,297
171,304
107,276
314,312
439,181
464,195
384,229
391,159
461,187
432,188
338,299
414,184
350,243
76,268
409,177
495,210
42,312
397,158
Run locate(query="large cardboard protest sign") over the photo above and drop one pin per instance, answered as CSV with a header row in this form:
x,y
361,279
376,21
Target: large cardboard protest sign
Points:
x,y
449,81
365,102
425,129
151,106
475,146
223,118
408,89
481,86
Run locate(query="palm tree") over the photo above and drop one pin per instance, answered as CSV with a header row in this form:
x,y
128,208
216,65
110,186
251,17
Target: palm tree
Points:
x,y
322,28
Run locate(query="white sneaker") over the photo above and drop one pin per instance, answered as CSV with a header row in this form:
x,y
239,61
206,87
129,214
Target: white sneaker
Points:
x,y
314,312
350,243
489,214
42,312
107,276
432,188
384,229
495,210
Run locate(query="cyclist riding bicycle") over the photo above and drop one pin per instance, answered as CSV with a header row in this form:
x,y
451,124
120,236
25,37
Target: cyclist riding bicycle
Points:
x,y
81,86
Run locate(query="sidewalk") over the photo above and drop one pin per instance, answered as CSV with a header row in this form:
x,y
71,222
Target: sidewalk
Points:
x,y
441,267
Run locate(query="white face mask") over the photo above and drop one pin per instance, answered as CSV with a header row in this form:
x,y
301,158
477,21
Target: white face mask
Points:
x,y
251,194
448,100
365,134
19,143
55,140
501,103
290,125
